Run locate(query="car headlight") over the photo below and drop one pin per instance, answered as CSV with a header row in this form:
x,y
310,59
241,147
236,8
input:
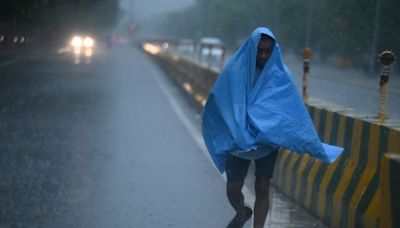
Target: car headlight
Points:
x,y
76,42
88,42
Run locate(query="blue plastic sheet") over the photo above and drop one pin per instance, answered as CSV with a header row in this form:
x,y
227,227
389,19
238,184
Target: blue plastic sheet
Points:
x,y
240,115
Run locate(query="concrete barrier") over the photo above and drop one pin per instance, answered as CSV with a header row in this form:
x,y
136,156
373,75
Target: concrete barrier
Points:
x,y
390,189
346,193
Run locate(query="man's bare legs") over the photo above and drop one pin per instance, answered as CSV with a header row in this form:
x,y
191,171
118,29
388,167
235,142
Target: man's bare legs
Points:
x,y
261,205
236,171
236,198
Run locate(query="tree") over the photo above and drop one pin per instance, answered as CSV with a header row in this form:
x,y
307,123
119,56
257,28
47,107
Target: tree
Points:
x,y
339,28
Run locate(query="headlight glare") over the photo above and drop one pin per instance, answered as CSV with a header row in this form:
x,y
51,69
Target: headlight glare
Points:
x,y
76,42
88,42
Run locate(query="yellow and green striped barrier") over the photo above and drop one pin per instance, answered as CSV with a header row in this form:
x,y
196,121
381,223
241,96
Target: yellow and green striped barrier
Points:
x,y
345,193
390,189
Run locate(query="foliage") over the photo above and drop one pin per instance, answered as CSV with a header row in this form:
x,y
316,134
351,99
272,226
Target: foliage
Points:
x,y
342,28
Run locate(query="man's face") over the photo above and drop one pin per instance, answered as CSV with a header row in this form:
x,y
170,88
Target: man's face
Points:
x,y
264,51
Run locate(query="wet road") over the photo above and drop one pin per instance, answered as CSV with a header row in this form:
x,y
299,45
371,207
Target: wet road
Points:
x,y
107,145
349,88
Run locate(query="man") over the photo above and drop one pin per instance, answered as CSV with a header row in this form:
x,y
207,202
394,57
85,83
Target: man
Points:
x,y
253,109
238,164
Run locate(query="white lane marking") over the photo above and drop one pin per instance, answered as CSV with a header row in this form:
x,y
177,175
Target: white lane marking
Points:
x,y
197,136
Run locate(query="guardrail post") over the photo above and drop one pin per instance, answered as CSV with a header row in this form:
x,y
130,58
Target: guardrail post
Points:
x,y
390,188
307,53
385,58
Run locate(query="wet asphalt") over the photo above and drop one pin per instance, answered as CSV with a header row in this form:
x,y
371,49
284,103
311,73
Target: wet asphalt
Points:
x,y
99,145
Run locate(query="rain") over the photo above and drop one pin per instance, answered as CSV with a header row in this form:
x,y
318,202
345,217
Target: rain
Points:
x,y
98,127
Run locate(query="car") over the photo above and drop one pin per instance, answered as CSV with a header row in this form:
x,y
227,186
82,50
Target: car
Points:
x,y
82,46
211,51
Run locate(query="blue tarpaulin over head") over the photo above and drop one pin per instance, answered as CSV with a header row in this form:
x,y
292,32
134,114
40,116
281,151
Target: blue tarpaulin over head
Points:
x,y
240,115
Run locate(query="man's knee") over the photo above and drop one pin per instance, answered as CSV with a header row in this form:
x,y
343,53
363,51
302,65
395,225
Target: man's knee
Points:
x,y
262,186
234,187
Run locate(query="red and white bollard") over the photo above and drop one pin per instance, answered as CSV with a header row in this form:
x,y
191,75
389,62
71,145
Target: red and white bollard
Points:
x,y
307,53
385,58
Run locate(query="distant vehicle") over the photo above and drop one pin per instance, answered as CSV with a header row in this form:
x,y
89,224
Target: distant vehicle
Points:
x,y
211,44
82,46
211,50
82,43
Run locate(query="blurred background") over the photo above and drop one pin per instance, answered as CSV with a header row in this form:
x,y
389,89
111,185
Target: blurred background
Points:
x,y
344,34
